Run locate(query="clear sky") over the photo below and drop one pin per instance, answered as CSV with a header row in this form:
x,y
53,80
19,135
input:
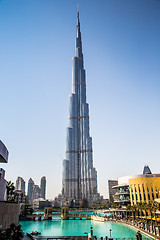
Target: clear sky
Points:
x,y
121,46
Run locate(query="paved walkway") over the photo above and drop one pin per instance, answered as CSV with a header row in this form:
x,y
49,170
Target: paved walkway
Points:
x,y
150,235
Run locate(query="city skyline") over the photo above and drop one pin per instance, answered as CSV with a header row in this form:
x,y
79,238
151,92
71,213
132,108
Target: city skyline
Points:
x,y
36,191
122,57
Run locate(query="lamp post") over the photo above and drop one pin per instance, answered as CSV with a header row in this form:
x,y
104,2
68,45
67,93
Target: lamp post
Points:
x,y
90,235
110,232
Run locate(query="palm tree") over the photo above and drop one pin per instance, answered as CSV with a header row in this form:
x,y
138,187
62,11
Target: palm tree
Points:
x,y
139,206
10,188
128,209
134,207
151,209
155,207
145,208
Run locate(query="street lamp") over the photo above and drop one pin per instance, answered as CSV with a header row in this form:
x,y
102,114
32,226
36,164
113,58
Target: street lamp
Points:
x,y
90,235
110,232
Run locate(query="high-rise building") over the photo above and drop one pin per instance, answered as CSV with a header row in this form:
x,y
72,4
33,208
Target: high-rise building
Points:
x,y
79,176
30,190
20,184
36,192
43,187
111,190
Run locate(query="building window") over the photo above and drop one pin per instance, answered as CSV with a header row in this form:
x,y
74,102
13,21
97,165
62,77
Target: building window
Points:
x,y
136,194
144,194
148,194
132,196
152,194
156,192
140,196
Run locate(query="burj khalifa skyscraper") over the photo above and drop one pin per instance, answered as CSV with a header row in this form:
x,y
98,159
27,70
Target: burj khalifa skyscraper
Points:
x,y
79,176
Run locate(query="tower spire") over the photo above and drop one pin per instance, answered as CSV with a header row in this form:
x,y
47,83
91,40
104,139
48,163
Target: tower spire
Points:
x,y
78,10
78,43
78,22
78,18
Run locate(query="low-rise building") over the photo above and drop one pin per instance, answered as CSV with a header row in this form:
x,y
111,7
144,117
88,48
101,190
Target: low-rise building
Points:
x,y
41,203
144,188
111,190
137,188
3,159
9,211
2,184
122,195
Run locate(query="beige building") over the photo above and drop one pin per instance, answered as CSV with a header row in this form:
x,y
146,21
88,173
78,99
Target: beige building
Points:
x,y
9,212
111,190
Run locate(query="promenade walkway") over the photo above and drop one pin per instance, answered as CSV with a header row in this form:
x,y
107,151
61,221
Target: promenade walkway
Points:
x,y
139,226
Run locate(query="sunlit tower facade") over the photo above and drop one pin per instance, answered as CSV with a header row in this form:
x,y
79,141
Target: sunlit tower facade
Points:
x,y
20,184
30,190
79,176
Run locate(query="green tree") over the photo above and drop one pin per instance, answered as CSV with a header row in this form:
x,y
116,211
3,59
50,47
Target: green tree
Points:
x,y
2,235
151,209
133,208
145,208
14,232
128,210
10,188
155,207
140,208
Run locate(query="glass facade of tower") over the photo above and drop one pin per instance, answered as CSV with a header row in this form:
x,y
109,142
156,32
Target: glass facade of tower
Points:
x,y
20,184
43,187
79,175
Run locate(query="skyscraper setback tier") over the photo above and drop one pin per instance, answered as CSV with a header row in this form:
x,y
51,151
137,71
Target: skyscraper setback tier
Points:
x,y
79,175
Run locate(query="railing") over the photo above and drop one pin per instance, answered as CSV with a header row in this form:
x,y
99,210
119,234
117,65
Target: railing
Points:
x,y
83,238
61,237
106,238
144,227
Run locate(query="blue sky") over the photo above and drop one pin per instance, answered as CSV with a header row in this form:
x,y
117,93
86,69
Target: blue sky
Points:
x,y
122,58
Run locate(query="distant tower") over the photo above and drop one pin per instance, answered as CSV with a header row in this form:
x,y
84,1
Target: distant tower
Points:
x,y
20,184
79,176
36,192
30,190
146,170
43,187
111,191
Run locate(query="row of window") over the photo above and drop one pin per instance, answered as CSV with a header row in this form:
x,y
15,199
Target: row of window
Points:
x,y
143,195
